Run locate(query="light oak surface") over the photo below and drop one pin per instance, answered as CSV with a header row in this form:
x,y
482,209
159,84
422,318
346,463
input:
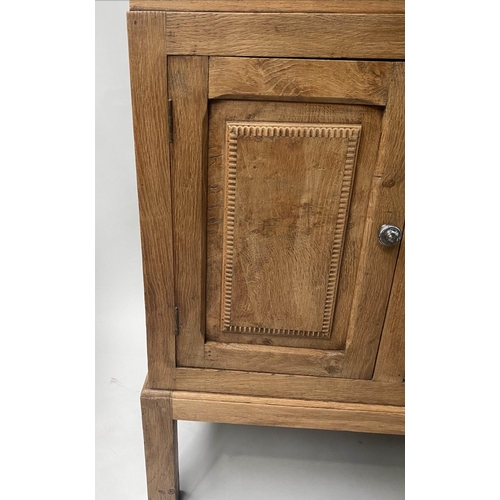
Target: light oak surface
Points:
x,y
273,359
160,446
376,269
187,154
287,193
187,259
262,185
308,80
353,6
390,366
356,36
147,52
223,112
287,413
278,385
187,83
279,412
162,409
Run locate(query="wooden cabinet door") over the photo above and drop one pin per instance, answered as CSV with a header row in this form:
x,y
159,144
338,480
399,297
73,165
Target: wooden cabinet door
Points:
x,y
283,170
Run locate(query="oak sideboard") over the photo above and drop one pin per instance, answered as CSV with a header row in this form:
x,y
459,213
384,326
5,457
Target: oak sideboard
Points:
x,y
269,139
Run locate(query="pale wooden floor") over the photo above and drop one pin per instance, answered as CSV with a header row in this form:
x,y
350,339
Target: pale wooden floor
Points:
x,y
222,462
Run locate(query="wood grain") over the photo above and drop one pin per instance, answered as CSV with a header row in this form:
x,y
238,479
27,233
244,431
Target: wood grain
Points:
x,y
352,6
321,383
257,358
160,445
287,413
390,365
356,36
188,85
288,187
289,386
147,52
350,82
376,270
223,112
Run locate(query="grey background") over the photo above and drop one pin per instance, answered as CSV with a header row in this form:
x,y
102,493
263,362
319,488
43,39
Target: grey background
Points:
x,y
216,461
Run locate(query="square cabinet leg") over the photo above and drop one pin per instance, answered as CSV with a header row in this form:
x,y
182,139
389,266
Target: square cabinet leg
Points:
x,y
160,446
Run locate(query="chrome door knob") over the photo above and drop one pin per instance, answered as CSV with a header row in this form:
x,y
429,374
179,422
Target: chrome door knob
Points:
x,y
389,235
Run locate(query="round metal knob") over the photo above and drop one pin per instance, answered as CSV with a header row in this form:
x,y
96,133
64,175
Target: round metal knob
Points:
x,y
389,235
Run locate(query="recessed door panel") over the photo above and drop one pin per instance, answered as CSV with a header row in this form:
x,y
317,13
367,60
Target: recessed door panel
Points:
x,y
288,187
287,195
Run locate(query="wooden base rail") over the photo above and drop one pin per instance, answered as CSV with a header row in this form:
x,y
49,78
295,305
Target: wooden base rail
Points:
x,y
161,410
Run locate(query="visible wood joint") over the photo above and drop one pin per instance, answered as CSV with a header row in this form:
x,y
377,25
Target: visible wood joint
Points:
x,y
170,122
176,313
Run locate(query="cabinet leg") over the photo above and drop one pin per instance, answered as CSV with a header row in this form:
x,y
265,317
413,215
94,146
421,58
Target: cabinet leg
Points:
x,y
160,446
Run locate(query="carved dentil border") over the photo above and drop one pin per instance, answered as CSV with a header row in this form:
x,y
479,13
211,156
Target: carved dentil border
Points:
x,y
267,129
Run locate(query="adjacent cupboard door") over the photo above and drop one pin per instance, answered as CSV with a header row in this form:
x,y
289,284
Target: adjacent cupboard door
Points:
x,y
283,170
